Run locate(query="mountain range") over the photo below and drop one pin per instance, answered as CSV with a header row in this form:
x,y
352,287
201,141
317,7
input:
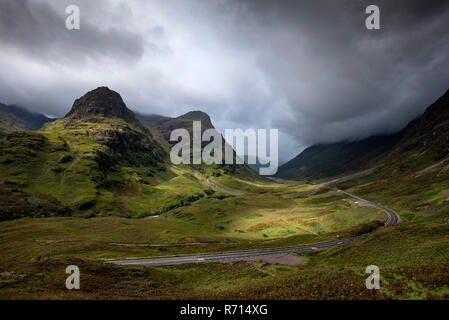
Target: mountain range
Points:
x,y
100,159
105,162
315,162
426,136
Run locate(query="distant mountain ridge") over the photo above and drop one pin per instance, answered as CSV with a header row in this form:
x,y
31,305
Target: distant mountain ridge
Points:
x,y
185,121
164,125
13,118
327,160
150,120
428,133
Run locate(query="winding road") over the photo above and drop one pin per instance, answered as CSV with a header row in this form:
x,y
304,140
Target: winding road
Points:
x,y
392,218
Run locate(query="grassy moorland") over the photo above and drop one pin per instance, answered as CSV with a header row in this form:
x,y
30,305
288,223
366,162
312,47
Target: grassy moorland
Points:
x,y
413,256
34,250
218,220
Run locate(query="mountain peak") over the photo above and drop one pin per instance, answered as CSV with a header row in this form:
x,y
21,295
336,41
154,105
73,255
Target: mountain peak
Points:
x,y
198,116
101,101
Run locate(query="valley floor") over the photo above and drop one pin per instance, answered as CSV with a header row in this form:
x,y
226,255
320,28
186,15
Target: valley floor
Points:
x,y
413,256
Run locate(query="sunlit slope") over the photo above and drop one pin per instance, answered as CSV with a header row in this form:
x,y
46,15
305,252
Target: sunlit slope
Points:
x,y
85,162
101,160
214,222
163,126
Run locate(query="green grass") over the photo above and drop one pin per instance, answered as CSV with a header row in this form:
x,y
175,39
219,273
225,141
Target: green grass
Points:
x,y
412,256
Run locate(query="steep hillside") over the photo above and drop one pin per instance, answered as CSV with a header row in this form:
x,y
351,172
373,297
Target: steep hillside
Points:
x,y
320,161
426,136
165,125
13,118
413,179
184,121
84,162
100,160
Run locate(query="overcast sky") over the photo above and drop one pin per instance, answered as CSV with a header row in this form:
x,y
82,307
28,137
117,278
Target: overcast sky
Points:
x,y
309,68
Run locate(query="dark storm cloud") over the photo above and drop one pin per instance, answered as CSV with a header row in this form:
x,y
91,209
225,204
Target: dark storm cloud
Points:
x,y
309,68
343,81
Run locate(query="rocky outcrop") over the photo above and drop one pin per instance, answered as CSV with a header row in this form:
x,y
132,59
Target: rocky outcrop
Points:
x,y
101,102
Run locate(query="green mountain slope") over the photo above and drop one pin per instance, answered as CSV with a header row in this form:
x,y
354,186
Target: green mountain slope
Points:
x,y
100,160
13,118
427,136
165,125
83,162
321,161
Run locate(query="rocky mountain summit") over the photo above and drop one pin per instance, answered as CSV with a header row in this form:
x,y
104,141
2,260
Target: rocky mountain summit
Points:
x,y
101,102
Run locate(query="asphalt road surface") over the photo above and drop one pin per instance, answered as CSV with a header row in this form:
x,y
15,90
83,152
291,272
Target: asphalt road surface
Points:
x,y
392,218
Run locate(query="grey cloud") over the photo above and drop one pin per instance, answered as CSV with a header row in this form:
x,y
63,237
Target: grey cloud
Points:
x,y
336,74
308,68
38,30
